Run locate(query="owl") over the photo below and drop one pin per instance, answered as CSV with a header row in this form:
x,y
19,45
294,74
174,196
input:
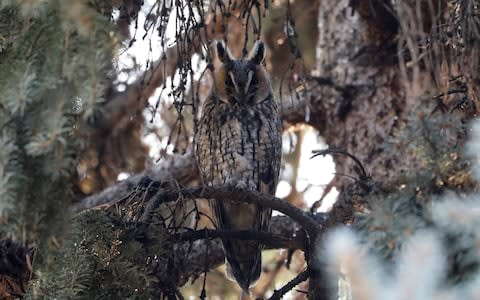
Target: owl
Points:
x,y
238,143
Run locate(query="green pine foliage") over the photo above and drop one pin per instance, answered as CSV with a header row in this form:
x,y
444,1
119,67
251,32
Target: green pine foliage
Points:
x,y
54,57
106,257
398,208
418,236
55,61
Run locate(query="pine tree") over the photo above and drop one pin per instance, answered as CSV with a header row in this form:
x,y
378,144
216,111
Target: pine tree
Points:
x,y
391,86
55,60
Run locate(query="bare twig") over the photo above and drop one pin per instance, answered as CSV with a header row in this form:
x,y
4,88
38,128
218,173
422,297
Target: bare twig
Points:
x,y
120,105
363,173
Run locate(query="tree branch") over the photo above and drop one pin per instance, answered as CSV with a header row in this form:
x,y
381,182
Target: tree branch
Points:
x,y
176,168
278,294
236,195
191,247
272,241
192,254
121,105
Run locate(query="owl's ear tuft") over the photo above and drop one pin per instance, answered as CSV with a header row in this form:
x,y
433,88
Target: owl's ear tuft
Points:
x,y
222,52
257,53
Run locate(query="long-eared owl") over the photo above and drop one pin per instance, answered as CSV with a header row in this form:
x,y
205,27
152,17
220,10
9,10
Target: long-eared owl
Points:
x,y
238,143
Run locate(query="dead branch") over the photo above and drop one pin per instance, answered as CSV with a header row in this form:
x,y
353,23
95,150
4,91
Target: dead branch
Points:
x,y
361,169
191,259
312,227
121,105
178,168
305,220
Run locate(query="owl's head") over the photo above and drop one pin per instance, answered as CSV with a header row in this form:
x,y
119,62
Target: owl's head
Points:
x,y
243,80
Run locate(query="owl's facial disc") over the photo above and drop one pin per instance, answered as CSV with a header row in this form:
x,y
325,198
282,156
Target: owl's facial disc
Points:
x,y
235,84
239,89
241,82
249,80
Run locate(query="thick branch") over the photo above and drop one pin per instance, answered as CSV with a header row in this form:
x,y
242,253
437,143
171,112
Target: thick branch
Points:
x,y
271,241
202,250
238,195
177,168
121,105
192,259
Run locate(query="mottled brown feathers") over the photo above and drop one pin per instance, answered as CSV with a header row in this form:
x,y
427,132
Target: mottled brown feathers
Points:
x,y
238,143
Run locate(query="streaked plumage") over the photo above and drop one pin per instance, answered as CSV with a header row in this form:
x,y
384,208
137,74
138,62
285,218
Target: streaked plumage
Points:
x,y
238,143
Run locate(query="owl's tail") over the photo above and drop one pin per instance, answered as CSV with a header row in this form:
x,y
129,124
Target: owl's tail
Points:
x,y
244,262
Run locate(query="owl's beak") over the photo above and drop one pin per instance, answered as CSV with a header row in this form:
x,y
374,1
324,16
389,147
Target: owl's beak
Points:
x,y
239,96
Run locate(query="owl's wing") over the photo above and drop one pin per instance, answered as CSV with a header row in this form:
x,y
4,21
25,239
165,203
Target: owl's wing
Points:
x,y
269,167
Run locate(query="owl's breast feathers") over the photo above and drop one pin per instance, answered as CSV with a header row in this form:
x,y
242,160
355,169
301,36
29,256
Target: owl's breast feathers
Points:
x,y
240,144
